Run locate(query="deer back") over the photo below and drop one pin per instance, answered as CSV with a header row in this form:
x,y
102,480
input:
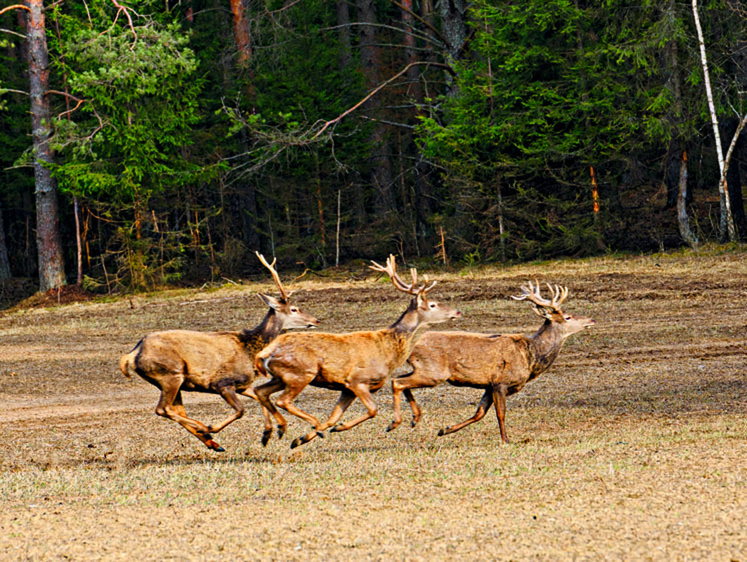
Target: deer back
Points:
x,y
470,359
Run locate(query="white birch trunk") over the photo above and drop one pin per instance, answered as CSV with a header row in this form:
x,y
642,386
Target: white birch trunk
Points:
x,y
727,221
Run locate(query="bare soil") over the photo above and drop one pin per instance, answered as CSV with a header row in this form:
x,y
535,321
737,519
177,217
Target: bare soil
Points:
x,y
633,446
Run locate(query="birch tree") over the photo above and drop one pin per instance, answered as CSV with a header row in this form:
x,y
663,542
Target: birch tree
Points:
x,y
726,224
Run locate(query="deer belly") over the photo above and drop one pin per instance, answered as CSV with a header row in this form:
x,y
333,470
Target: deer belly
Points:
x,y
321,382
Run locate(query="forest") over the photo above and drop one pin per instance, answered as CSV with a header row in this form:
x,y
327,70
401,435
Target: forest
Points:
x,y
154,143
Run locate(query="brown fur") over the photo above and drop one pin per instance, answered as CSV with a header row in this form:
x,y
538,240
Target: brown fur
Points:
x,y
499,364
213,362
357,363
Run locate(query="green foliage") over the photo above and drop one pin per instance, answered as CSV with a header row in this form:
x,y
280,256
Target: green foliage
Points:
x,y
141,96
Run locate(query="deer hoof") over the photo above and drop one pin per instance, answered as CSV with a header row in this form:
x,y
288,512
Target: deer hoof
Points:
x,y
320,434
281,431
214,446
392,426
441,432
266,435
296,442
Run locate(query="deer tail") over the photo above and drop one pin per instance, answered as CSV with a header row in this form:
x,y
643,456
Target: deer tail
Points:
x,y
127,361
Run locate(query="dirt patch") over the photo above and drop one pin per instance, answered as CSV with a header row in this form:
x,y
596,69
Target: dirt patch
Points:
x,y
632,446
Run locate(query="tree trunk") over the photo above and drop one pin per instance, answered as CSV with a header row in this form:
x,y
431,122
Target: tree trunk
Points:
x,y
343,33
358,203
381,167
5,273
684,223
730,127
726,225
241,31
49,247
454,30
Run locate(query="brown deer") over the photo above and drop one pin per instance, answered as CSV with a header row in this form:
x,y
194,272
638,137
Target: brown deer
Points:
x,y
213,362
500,364
357,363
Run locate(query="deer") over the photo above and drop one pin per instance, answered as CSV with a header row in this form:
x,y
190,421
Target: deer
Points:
x,y
356,363
212,362
499,364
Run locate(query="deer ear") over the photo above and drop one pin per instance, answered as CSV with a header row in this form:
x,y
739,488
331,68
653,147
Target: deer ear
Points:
x,y
272,302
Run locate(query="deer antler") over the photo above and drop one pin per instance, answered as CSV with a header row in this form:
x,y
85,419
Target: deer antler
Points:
x,y
531,292
275,276
391,270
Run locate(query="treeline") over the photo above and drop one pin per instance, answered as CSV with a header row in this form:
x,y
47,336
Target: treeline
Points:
x,y
167,141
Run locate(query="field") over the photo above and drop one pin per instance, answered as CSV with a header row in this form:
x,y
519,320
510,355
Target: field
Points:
x,y
632,446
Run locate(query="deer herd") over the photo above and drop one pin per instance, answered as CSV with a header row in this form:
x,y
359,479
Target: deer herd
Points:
x,y
355,364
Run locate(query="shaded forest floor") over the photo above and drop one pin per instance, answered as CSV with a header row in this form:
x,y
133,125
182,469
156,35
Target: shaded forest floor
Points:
x,y
632,446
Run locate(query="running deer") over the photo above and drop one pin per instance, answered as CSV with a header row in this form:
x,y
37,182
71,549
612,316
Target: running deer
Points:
x,y
500,364
212,362
357,363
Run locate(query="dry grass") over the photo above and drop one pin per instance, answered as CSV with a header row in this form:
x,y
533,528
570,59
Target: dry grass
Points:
x,y
632,446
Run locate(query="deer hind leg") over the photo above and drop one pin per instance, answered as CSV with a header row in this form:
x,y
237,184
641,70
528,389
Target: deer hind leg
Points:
x,y
499,399
290,391
267,415
416,379
170,406
482,408
361,391
343,403
262,394
228,393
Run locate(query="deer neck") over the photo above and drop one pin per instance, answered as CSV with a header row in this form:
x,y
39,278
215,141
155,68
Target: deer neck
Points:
x,y
544,347
265,331
405,332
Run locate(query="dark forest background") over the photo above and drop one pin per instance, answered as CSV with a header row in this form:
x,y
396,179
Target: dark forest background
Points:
x,y
186,135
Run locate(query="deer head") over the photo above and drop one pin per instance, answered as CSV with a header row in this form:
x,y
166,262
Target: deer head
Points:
x,y
289,315
428,311
550,310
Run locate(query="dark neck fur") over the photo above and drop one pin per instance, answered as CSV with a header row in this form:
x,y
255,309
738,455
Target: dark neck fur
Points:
x,y
544,347
408,322
267,330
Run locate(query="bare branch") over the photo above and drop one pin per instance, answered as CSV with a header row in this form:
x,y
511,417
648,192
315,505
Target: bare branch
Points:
x,y
15,7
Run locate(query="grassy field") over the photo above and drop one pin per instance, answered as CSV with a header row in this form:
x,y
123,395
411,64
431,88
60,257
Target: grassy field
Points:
x,y
633,446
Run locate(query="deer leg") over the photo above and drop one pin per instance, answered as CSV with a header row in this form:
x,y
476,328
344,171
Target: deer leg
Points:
x,y
229,395
364,393
499,399
482,408
170,406
285,401
417,413
267,415
343,403
262,394
404,384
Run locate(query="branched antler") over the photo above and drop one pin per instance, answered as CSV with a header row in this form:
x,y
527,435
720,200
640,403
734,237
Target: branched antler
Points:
x,y
391,270
275,276
531,292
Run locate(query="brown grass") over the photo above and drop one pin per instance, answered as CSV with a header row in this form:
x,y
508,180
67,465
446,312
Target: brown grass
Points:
x,y
633,446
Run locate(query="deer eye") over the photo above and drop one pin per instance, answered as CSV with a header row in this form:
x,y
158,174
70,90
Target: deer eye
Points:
x,y
294,309
569,317
432,305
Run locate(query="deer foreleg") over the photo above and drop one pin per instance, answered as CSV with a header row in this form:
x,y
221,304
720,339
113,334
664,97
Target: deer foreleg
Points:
x,y
405,384
170,406
364,393
343,403
262,394
482,408
499,399
229,395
